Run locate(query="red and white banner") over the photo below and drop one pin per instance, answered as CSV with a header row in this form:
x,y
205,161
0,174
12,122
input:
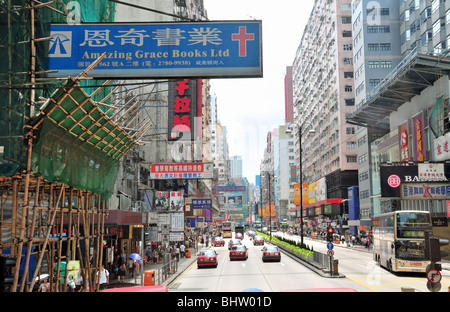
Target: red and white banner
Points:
x,y
181,171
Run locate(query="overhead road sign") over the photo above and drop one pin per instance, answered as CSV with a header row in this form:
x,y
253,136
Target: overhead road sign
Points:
x,y
221,49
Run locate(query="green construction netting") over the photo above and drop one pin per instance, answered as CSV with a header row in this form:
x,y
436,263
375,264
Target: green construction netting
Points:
x,y
58,157
15,34
15,65
73,110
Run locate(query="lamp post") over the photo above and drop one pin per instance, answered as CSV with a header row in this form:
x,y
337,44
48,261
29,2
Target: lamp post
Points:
x,y
288,130
267,174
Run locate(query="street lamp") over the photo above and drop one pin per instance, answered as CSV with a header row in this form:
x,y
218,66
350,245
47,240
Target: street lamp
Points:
x,y
267,174
289,131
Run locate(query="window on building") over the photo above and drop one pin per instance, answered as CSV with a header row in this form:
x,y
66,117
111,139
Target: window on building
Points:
x,y
350,130
351,158
348,61
384,29
348,74
385,46
348,47
346,33
372,29
346,19
351,144
385,64
372,46
374,82
348,88
374,64
384,11
349,102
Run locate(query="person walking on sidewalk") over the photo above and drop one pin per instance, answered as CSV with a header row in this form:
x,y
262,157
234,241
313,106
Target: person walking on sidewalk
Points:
x,y
155,256
130,265
183,250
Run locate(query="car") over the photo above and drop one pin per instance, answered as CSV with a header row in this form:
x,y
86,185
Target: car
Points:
x,y
258,240
218,241
207,258
271,253
238,252
233,242
238,236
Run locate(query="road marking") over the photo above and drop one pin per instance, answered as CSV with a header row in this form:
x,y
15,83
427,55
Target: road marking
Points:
x,y
187,270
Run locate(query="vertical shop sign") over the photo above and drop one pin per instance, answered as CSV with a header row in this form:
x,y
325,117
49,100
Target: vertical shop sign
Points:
x,y
419,138
404,142
182,109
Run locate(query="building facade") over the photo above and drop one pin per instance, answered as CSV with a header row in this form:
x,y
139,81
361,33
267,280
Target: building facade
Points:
x,y
323,84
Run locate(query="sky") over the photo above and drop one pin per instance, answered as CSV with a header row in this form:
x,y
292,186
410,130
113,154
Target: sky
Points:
x,y
251,107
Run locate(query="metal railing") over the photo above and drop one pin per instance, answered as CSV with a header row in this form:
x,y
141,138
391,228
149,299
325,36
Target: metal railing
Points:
x,y
168,269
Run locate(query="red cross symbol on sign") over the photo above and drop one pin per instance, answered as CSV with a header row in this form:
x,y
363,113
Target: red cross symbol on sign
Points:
x,y
242,37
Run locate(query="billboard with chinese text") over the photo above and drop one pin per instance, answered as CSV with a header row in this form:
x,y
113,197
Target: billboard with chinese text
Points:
x,y
158,50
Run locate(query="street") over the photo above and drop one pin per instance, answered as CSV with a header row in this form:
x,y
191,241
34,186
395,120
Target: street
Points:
x,y
361,274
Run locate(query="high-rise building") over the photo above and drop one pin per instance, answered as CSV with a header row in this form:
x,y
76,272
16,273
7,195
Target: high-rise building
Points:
x,y
323,94
236,166
376,51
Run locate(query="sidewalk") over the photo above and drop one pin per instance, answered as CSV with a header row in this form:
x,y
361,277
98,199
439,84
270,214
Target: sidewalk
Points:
x,y
182,265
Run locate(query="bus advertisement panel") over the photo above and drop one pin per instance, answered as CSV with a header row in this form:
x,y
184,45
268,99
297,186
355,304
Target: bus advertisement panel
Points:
x,y
399,240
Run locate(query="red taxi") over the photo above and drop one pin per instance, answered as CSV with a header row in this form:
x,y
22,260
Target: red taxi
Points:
x,y
271,253
238,252
238,236
258,240
233,242
218,241
207,258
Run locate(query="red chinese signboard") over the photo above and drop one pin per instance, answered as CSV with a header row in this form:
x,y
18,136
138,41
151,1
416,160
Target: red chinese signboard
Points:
x,y
182,109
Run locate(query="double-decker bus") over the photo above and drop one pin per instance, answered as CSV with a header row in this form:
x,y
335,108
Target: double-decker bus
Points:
x,y
227,229
399,240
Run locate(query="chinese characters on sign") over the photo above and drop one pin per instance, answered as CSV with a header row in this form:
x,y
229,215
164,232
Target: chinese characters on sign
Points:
x,y
404,142
182,109
156,50
181,171
441,147
419,138
202,203
425,191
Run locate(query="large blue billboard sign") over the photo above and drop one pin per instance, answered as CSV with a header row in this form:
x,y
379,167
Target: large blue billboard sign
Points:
x,y
230,49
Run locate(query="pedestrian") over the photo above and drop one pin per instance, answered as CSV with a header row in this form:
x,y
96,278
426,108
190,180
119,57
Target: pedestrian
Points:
x,y
137,265
130,265
103,277
45,286
161,255
71,284
155,256
177,253
122,272
183,250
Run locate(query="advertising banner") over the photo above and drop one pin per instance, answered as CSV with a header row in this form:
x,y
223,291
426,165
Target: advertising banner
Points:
x,y
425,191
162,201
231,187
181,171
158,50
176,201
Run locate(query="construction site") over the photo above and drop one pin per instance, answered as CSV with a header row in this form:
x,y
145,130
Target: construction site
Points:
x,y
61,141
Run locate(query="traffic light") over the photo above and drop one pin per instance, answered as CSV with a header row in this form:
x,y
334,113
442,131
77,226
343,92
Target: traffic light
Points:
x,y
330,232
433,250
6,278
